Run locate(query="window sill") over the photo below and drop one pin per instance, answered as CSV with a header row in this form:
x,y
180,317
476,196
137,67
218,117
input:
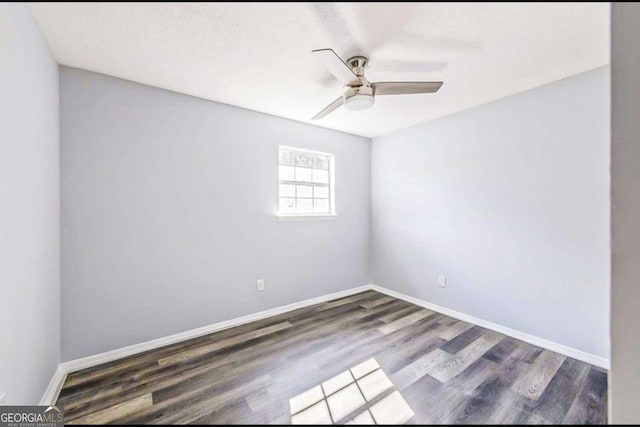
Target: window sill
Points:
x,y
326,217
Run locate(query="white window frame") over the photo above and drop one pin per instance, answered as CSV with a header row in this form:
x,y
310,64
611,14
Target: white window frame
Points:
x,y
332,188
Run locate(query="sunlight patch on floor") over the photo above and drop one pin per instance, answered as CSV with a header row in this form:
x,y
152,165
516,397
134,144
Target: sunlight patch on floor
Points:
x,y
352,396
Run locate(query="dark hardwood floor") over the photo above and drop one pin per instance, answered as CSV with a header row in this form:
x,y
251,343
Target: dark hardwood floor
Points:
x,y
442,370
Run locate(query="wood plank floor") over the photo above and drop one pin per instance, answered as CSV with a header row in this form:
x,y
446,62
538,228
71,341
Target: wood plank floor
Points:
x,y
446,370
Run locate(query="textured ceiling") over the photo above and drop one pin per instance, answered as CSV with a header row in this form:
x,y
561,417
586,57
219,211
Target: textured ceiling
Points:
x,y
257,55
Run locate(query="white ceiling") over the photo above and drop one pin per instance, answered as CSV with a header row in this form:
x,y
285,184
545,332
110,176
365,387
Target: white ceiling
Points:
x,y
257,55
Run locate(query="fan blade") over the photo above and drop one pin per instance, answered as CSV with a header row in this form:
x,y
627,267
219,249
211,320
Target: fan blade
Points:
x,y
329,108
399,66
336,66
404,88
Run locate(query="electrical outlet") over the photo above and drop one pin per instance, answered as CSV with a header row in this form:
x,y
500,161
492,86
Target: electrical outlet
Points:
x,y
2,398
260,285
442,281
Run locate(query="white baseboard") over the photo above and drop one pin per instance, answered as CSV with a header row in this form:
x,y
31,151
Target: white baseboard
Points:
x,y
65,368
531,339
53,389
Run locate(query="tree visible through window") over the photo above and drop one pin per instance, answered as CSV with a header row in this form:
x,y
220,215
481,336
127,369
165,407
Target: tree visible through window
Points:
x,y
306,186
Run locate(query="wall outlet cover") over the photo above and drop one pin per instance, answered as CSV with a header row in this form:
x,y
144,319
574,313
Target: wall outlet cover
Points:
x,y
442,281
260,285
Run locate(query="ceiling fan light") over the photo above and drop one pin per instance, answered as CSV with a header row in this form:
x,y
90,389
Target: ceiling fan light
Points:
x,y
359,102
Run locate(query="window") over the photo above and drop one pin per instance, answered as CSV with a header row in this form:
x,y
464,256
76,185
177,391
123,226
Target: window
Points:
x,y
306,182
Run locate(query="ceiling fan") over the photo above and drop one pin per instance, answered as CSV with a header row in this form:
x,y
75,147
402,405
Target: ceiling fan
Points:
x,y
360,93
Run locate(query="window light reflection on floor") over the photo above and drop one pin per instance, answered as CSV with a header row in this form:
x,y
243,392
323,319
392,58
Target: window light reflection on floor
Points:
x,y
361,395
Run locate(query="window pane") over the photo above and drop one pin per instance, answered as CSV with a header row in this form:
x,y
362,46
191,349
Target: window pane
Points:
x,y
304,205
320,192
321,162
303,174
304,191
321,205
286,173
304,159
287,190
321,176
287,205
286,157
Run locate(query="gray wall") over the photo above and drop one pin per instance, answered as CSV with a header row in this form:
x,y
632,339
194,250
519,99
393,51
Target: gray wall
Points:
x,y
168,214
625,214
29,209
510,201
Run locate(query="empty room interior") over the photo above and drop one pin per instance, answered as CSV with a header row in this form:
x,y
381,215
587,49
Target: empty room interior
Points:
x,y
319,213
